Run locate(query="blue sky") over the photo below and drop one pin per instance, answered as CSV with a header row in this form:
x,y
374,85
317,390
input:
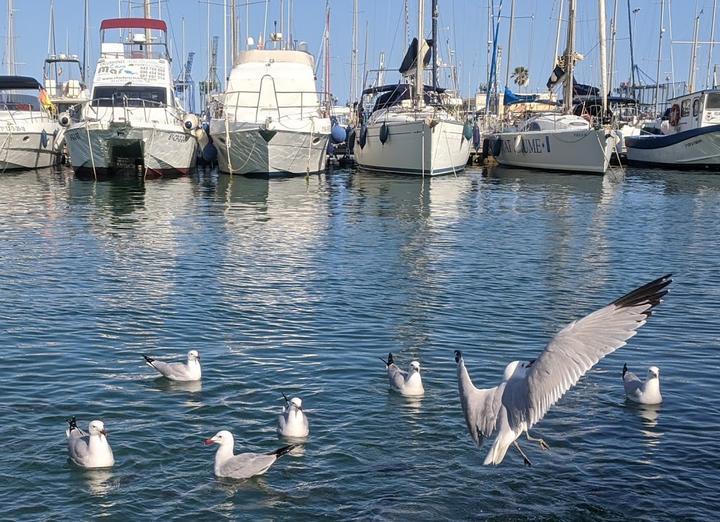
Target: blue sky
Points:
x,y
463,27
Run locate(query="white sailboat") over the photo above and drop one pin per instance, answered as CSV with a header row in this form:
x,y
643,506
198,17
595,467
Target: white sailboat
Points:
x,y
412,129
554,141
133,121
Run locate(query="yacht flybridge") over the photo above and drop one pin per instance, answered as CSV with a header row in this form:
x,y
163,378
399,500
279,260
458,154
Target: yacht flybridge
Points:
x,y
133,120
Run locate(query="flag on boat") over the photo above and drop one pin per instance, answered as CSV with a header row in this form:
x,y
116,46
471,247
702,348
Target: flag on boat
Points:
x,y
511,98
408,66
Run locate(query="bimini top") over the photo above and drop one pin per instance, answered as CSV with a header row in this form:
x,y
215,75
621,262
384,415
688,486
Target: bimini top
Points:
x,y
133,23
18,82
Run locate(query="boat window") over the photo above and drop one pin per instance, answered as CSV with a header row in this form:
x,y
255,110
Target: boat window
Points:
x,y
128,95
685,108
19,102
533,126
712,101
696,106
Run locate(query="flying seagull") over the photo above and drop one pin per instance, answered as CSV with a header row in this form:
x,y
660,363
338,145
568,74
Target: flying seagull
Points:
x,y
244,465
529,388
89,450
405,383
178,371
293,422
647,392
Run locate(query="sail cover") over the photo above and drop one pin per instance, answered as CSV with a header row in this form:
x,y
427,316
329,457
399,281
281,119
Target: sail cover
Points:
x,y
409,63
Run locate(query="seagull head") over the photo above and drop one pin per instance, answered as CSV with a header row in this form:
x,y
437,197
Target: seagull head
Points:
x,y
516,369
222,437
193,355
653,372
297,402
97,427
458,356
414,366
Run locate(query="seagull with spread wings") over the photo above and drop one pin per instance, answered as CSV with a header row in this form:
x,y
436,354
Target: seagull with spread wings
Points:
x,y
530,388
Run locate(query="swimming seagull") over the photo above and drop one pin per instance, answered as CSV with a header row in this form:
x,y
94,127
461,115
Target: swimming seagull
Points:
x,y
529,389
293,422
178,371
647,392
244,465
89,450
405,383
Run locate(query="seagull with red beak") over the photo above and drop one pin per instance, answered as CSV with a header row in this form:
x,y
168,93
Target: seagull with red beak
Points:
x,y
89,450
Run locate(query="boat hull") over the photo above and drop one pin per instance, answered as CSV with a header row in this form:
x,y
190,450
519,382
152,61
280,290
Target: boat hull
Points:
x,y
418,147
251,151
695,148
586,150
106,149
28,144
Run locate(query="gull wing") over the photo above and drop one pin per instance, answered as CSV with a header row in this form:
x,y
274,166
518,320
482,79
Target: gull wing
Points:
x,y
480,406
631,382
396,376
79,447
577,348
173,371
246,465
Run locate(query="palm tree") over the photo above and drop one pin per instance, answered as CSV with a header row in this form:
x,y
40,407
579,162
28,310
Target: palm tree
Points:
x,y
520,76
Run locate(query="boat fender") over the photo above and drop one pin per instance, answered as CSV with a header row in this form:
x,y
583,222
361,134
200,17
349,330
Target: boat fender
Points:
x,y
338,134
64,119
674,117
518,143
350,139
191,122
476,136
467,130
384,133
362,140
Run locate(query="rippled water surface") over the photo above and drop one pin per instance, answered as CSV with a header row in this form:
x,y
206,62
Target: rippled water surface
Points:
x,y
298,286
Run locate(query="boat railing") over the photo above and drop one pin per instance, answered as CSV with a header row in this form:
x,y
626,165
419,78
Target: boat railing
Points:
x,y
125,108
18,114
299,104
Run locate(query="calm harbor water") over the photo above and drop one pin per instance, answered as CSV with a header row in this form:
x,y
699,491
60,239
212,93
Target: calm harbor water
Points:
x,y
298,286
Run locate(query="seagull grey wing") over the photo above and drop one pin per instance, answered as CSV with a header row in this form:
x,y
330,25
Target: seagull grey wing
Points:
x,y
247,465
631,382
171,370
79,448
579,346
396,376
480,408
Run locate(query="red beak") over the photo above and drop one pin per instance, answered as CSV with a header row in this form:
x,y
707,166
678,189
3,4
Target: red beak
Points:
x,y
208,442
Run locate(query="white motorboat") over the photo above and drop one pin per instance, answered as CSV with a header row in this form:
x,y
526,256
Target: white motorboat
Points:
x,y
133,121
551,141
410,128
689,136
28,129
270,120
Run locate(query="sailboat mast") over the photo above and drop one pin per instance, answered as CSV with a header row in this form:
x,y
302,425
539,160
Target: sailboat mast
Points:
x,y
509,45
328,102
354,54
710,49
603,57
613,33
557,30
632,52
693,56
659,55
233,32
83,72
147,31
419,87
435,44
10,47
569,56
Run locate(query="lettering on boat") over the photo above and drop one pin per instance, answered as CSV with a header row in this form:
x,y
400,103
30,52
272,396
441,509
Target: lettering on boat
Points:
x,y
528,145
182,138
693,143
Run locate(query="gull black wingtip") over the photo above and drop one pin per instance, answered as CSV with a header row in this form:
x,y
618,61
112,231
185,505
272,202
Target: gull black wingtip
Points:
x,y
458,356
282,451
625,370
148,360
650,293
72,423
390,359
